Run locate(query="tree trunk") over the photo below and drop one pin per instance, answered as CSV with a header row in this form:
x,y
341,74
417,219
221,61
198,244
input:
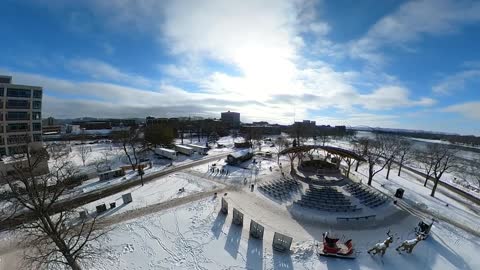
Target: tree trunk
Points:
x,y
60,243
400,166
370,174
128,156
348,171
358,164
71,262
388,170
426,180
434,187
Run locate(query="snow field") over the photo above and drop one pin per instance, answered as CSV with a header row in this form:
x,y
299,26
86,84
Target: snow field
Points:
x,y
156,191
195,236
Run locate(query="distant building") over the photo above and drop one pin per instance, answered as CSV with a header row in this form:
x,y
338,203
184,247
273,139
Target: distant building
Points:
x,y
260,128
231,118
50,121
190,126
20,117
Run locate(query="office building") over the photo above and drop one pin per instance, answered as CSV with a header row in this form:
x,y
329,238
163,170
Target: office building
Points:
x,y
20,117
231,118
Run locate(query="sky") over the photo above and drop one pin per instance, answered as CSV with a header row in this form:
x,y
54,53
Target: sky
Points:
x,y
390,63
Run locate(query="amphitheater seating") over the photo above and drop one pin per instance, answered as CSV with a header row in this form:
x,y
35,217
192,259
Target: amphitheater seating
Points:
x,y
366,195
326,199
280,189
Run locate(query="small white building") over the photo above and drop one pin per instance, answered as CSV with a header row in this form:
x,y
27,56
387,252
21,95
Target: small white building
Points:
x,y
111,174
239,157
165,152
186,150
202,150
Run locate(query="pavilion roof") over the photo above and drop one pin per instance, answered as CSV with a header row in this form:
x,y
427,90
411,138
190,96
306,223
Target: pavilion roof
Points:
x,y
330,149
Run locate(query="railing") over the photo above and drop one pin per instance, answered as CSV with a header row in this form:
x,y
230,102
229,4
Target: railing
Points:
x,y
362,218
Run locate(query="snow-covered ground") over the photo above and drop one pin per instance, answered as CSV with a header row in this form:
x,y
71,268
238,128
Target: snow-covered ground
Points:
x,y
249,170
155,191
94,153
195,236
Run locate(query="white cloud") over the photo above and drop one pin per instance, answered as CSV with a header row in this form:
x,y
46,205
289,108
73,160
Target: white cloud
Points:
x,y
389,97
412,21
468,109
103,71
456,82
319,28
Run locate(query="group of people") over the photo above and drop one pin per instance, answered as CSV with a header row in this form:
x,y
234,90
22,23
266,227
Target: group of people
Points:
x,y
216,171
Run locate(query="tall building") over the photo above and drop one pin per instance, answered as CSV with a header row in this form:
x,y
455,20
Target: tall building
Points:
x,y
231,118
20,117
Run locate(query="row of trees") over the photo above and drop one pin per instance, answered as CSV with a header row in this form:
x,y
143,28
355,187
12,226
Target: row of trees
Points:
x,y
383,151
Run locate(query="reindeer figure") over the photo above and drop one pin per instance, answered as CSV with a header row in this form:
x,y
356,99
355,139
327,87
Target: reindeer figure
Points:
x,y
382,247
408,245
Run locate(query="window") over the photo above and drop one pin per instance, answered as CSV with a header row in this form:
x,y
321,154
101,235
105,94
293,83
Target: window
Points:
x,y
37,93
18,139
1,92
1,104
3,151
36,126
18,104
37,137
37,105
36,115
17,127
12,92
17,116
17,150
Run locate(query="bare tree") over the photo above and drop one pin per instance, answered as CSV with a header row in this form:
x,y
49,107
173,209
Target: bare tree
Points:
x,y
324,137
291,157
213,138
56,238
404,153
377,152
391,146
349,161
474,170
443,159
132,143
84,152
360,148
281,143
103,162
425,161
